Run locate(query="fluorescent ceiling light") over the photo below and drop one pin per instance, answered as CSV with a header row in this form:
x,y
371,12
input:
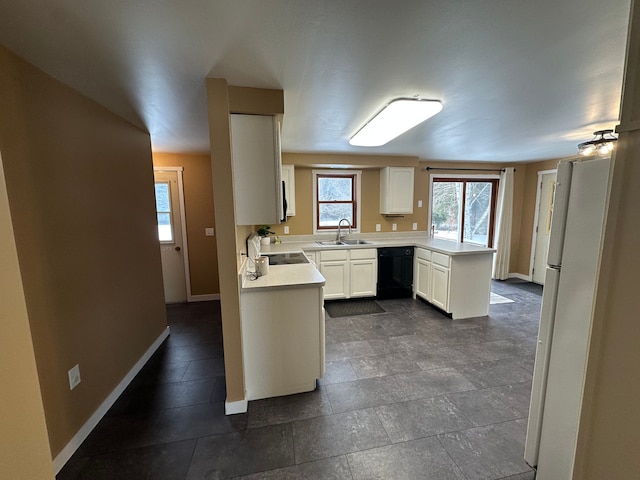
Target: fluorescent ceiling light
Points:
x,y
393,120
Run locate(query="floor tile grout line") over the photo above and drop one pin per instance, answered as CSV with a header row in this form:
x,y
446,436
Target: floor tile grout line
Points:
x,y
193,453
451,458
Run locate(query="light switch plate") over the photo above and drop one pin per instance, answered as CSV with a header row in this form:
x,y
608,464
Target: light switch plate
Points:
x,y
419,203
208,232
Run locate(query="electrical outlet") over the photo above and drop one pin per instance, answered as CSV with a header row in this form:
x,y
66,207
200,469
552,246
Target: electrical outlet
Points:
x,y
286,230
208,232
377,227
74,377
415,226
419,203
394,226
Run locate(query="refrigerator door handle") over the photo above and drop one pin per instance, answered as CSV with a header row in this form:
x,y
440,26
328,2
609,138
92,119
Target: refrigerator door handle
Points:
x,y
559,216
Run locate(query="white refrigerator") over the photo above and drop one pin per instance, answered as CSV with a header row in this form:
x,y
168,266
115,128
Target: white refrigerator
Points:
x,y
581,195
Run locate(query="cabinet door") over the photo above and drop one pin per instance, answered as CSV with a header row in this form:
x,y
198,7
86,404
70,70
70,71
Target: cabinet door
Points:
x,y
363,278
257,169
396,190
289,179
423,279
440,286
336,275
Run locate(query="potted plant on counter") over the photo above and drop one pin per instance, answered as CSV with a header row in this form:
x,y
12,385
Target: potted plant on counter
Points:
x,y
264,231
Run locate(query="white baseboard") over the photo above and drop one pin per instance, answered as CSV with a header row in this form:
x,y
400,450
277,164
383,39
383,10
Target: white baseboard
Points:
x,y
526,278
204,298
70,448
232,408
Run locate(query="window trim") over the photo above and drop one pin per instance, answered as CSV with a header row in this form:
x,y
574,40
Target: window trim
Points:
x,y
358,189
170,213
469,178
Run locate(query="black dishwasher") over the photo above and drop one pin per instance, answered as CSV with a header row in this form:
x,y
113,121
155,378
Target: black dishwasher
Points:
x,y
395,272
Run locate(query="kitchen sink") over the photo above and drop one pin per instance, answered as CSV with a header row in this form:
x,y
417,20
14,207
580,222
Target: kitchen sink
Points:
x,y
344,242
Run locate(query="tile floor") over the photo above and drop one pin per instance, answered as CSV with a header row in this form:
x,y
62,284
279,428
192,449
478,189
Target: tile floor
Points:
x,y
409,394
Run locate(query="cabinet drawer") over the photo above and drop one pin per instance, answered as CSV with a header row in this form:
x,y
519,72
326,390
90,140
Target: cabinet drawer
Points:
x,y
333,255
363,253
440,259
423,254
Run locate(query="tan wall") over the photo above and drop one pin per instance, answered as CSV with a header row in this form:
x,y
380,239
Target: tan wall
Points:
x,y
222,100
609,435
199,212
302,222
80,186
527,213
24,444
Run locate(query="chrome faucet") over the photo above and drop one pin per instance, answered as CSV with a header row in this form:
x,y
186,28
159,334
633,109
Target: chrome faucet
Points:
x,y
338,237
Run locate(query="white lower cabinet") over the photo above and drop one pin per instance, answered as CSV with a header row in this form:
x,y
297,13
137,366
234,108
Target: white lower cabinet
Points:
x,y
440,286
312,257
282,341
422,274
336,275
349,273
458,284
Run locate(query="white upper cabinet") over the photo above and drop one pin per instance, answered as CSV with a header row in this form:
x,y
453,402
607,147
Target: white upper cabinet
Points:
x,y
289,179
396,190
255,146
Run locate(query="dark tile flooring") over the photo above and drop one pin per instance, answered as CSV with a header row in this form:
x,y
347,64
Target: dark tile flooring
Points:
x,y
408,394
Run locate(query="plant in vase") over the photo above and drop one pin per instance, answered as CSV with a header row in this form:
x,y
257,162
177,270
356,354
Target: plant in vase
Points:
x,y
264,231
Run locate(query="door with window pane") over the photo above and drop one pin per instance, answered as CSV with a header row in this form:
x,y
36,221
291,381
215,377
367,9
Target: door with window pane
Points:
x,y
170,236
463,210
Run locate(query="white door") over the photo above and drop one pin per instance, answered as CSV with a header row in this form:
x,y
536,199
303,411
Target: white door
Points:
x,y
170,235
547,183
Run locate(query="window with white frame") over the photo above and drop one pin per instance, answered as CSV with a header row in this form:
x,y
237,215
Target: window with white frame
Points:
x,y
163,212
336,196
463,208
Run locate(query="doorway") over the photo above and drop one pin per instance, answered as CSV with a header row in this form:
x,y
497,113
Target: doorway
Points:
x,y
172,233
542,224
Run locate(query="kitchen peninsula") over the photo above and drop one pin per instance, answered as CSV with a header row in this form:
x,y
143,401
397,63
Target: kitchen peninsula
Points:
x,y
454,277
282,330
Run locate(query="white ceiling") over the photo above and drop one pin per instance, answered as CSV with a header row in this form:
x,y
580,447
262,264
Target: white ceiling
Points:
x,y
520,80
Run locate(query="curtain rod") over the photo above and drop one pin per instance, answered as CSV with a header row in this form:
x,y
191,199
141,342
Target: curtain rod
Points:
x,y
469,169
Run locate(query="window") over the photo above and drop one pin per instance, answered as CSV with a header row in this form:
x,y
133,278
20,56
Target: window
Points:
x,y
163,209
336,196
463,209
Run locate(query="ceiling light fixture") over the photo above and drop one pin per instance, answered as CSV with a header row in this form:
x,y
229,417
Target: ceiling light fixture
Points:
x,y
601,144
394,119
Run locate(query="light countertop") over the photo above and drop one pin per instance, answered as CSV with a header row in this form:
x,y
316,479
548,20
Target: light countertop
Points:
x,y
306,274
284,276
435,244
